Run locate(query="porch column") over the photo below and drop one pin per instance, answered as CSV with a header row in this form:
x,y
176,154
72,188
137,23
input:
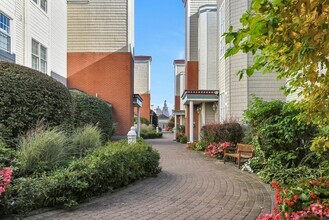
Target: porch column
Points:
x,y
191,122
138,122
175,127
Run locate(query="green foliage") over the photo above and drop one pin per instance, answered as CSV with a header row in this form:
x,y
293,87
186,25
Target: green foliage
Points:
x,y
105,169
28,96
290,38
91,110
143,121
282,143
181,129
183,139
41,150
321,143
229,131
7,156
148,132
85,140
276,127
154,119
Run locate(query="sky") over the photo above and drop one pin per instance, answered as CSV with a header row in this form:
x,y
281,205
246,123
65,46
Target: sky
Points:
x,y
160,33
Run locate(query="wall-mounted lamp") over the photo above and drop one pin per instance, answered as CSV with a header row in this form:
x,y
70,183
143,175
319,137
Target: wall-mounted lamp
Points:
x,y
214,106
198,110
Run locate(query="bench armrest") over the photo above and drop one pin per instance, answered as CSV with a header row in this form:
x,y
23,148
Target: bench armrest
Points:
x,y
245,151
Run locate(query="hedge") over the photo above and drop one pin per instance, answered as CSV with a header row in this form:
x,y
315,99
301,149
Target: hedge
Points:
x,y
28,96
88,109
152,135
230,131
105,169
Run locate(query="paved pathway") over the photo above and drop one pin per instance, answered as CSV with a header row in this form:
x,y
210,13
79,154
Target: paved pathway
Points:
x,y
191,186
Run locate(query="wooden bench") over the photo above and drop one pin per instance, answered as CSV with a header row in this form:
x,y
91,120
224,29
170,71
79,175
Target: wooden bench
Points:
x,y
242,151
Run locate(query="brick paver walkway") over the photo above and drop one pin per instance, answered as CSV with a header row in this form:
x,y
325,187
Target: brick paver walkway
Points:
x,y
191,186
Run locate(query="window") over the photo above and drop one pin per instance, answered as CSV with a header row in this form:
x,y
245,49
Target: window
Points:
x,y
222,107
222,29
4,33
39,57
42,3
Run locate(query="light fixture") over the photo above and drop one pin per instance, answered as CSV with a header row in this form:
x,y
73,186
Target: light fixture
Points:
x,y
198,110
214,106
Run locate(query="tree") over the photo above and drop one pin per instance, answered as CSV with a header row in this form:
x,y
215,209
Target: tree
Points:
x,y
290,38
154,118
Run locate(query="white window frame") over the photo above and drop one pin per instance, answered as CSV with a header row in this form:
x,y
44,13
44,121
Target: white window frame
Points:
x,y
222,107
221,29
6,31
38,3
41,61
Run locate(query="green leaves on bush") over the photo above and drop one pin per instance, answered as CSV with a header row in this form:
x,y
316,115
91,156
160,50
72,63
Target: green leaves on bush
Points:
x,y
229,131
92,110
276,126
106,168
148,132
28,96
85,139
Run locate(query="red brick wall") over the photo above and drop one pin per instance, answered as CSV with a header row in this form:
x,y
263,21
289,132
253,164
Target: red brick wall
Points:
x,y
177,103
192,75
111,76
146,107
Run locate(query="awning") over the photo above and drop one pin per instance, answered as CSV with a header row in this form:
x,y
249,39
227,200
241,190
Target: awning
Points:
x,y
199,96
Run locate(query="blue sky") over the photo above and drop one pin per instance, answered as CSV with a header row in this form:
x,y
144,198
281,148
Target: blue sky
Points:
x,y
159,32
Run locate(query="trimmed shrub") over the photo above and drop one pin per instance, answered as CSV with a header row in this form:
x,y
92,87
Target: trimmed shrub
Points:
x,y
183,139
274,124
85,140
230,131
91,110
148,132
28,96
41,150
106,168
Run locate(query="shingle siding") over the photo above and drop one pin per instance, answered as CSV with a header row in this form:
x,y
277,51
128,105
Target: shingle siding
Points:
x,y
141,82
100,26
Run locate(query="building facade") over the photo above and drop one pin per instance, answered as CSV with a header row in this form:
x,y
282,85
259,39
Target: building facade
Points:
x,y
235,94
142,83
179,88
100,55
33,33
213,92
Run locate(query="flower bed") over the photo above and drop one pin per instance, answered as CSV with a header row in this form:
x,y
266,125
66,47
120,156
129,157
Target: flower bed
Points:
x,y
309,199
217,149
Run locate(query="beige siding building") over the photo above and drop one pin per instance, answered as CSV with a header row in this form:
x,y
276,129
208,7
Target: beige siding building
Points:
x,y
102,26
235,94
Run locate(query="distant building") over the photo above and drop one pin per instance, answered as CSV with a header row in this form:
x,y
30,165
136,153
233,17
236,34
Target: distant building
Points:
x,y
179,77
213,92
163,115
34,34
